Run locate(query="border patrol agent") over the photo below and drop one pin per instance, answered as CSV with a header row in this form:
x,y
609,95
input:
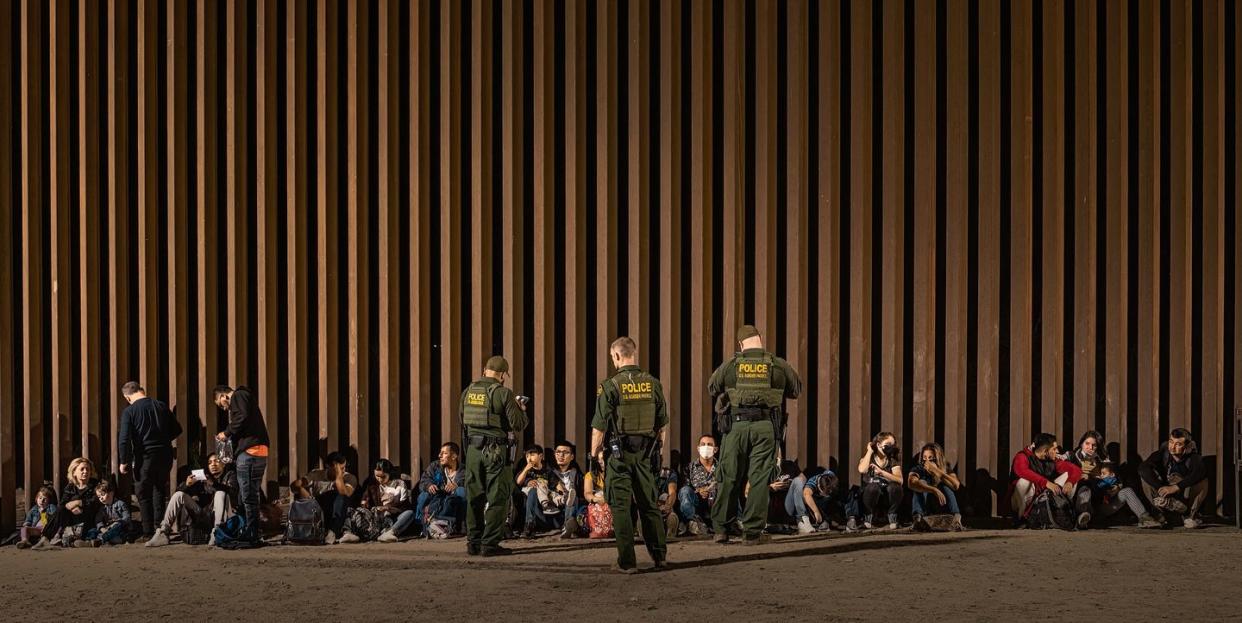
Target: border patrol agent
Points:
x,y
489,412
630,409
755,384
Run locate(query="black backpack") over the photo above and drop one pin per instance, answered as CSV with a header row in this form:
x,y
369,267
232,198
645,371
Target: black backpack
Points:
x,y
305,525
1051,510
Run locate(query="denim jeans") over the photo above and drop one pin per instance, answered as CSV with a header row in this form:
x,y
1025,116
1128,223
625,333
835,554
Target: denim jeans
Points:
x,y
336,510
403,522
249,481
536,519
423,498
921,502
795,504
690,505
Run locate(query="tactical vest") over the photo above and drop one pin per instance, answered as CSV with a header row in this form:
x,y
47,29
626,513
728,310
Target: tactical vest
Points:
x,y
636,403
476,406
753,388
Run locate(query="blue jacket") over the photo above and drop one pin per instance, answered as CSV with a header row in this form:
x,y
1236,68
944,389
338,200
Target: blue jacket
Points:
x,y
32,518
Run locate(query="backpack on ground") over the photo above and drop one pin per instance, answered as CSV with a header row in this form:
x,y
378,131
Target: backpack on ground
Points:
x,y
442,516
305,525
1051,510
234,534
200,528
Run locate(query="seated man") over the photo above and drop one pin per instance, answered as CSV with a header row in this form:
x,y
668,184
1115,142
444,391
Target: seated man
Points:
x,y
1035,468
443,489
666,484
817,501
334,488
385,499
696,496
214,496
1175,479
933,487
565,484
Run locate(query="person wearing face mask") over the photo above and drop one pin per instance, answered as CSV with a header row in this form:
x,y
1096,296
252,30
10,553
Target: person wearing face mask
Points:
x,y
1175,478
1102,496
933,486
695,498
1035,468
880,467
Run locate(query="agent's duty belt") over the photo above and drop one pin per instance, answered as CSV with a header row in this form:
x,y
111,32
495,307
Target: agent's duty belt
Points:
x,y
478,442
751,415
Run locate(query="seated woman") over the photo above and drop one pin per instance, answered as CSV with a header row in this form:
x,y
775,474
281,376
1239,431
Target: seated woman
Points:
x,y
442,494
37,519
815,502
598,513
1103,496
196,500
384,499
933,487
1036,468
880,467
75,515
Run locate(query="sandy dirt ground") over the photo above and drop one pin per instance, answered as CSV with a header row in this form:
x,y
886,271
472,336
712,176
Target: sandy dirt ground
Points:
x,y
978,575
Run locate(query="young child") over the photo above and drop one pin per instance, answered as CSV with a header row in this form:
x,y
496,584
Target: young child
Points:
x,y
536,477
113,521
1106,480
41,513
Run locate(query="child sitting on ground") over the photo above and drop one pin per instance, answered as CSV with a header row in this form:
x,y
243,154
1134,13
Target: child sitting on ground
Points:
x,y
535,477
41,513
113,521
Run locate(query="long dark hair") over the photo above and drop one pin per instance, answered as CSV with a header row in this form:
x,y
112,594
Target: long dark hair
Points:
x,y
1101,454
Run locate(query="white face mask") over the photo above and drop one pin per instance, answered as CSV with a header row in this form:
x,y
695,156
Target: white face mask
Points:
x,y
707,452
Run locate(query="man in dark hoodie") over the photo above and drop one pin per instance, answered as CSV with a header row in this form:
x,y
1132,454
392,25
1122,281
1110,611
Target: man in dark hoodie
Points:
x,y
1175,478
145,438
249,434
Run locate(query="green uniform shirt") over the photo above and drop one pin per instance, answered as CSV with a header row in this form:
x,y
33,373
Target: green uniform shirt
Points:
x,y
608,396
783,376
502,402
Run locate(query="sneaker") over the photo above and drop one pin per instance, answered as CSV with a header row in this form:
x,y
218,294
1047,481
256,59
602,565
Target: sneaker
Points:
x,y
671,526
617,568
42,545
722,537
159,539
211,541
386,537
349,537
329,538
696,527
851,525
1148,522
549,508
824,526
957,522
495,550
1084,520
571,529
23,545
1192,523
473,549
804,525
892,522
918,524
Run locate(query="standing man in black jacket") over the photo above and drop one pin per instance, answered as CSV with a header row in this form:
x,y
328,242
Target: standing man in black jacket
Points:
x,y
145,439
249,434
1175,478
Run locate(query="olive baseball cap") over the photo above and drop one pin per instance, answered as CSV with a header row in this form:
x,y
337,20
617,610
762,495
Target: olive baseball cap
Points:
x,y
497,364
747,331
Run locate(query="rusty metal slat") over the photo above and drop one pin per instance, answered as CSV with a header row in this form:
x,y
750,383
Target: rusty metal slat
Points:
x,y
1148,201
957,243
180,50
827,230
300,87
267,227
451,276
33,229
209,182
358,214
389,234
120,201
514,227
421,210
701,269
797,292
891,281
543,81
1021,224
1181,201
860,234
238,169
1214,418
577,382
606,195
91,107
61,127
483,193
732,215
989,249
765,199
671,283
328,223
1084,210
149,163
8,327
1051,215
1117,192
926,74
638,213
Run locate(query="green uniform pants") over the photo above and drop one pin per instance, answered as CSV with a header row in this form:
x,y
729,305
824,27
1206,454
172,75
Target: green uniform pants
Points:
x,y
629,477
489,484
747,454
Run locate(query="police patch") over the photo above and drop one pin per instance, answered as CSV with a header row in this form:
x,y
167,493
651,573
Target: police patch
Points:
x,y
476,399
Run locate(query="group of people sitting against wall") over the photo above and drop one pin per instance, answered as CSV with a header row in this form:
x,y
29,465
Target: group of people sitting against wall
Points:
x,y
558,498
